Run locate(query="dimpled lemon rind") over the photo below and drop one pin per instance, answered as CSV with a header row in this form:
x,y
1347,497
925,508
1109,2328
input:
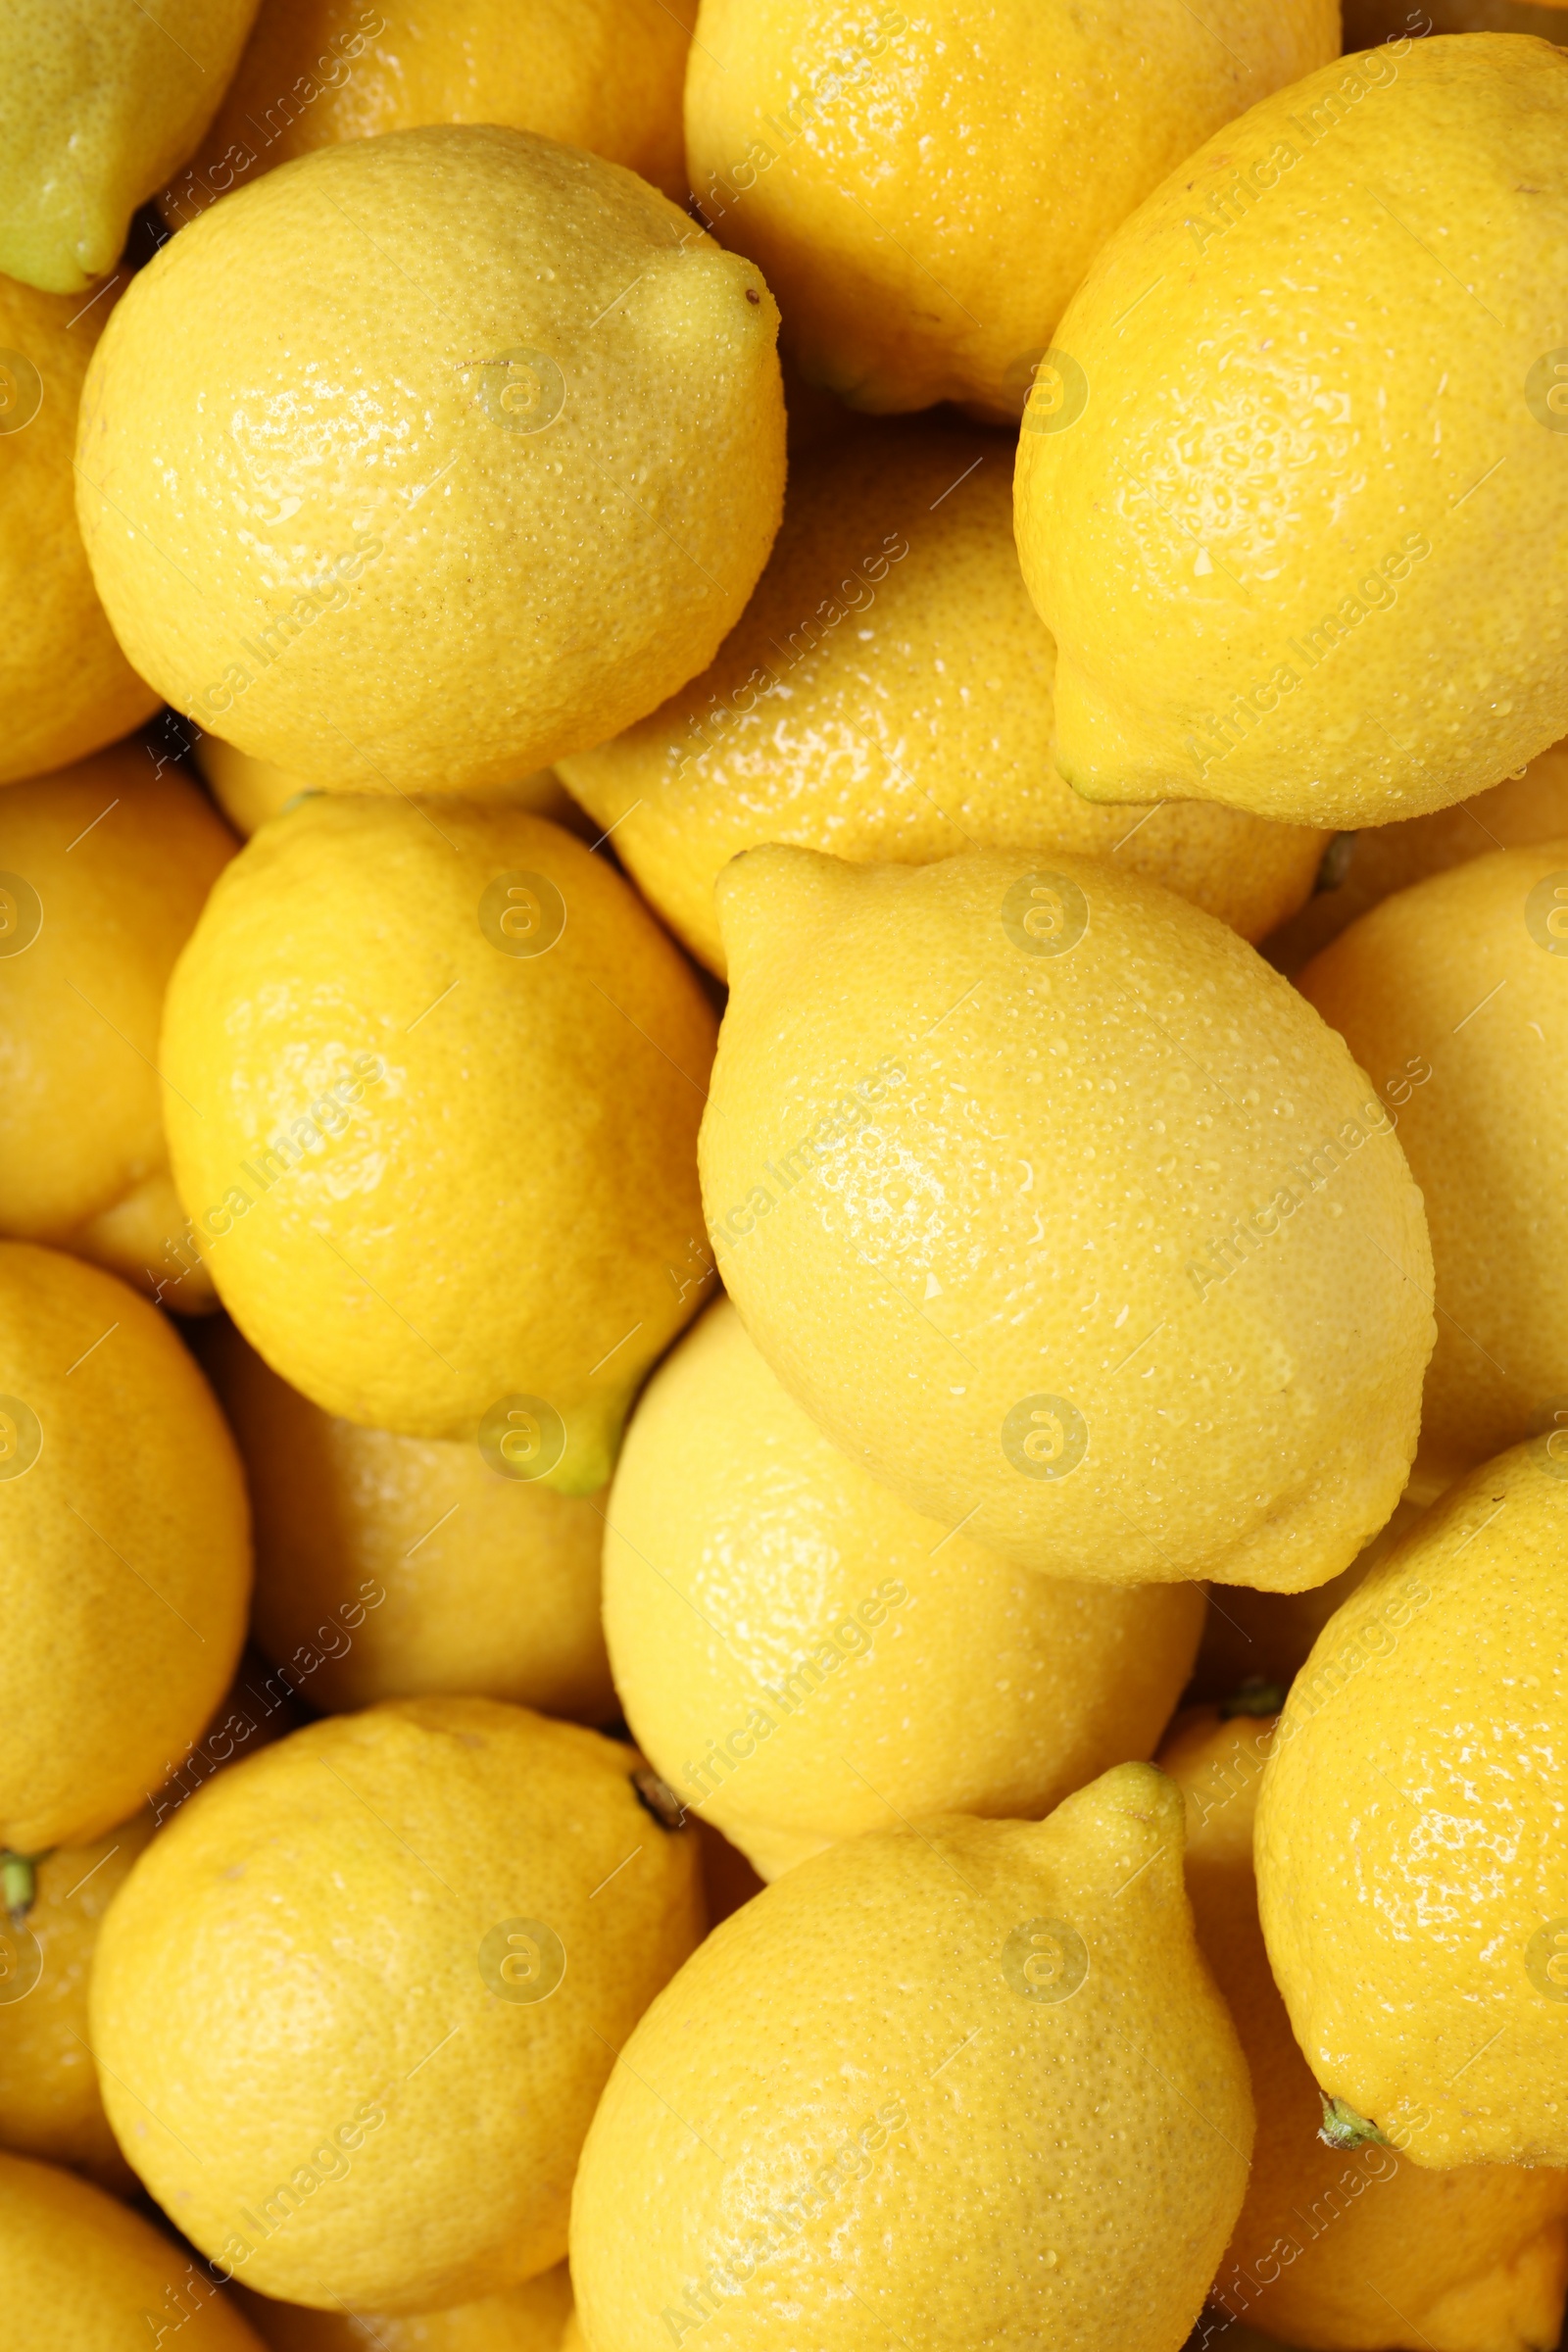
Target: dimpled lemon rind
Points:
x,y
1415,1780
66,688
801,1657
433,1081
1074,2185
887,694
107,866
428,457
355,2005
1333,2240
1065,1216
605,75
98,103
85,2274
925,187
1298,520
124,1549
1457,992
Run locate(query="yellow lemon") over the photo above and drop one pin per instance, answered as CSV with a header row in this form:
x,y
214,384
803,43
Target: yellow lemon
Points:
x,y
521,2319
125,1548
103,870
387,1567
354,2007
925,189
1413,1880
49,2100
84,2274
968,2082
1454,997
433,1080
250,791
1532,805
98,103
1290,556
605,75
429,457
803,1658
887,694
1347,2247
66,688
1064,1215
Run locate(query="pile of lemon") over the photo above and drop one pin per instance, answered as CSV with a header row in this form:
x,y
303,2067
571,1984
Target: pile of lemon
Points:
x,y
783,1264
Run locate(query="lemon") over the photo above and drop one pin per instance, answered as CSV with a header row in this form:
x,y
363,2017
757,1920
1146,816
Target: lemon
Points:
x,y
103,870
1454,997
1532,805
925,189
1064,1215
66,688
49,2101
98,103
1289,555
600,73
1411,1874
250,791
803,1658
84,2274
355,2005
521,2319
433,1080
387,1567
431,456
966,2083
124,1549
903,714
1345,2248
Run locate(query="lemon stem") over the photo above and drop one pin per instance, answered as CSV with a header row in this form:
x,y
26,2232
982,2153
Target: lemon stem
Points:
x,y
1343,2128
1255,1696
17,1882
